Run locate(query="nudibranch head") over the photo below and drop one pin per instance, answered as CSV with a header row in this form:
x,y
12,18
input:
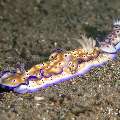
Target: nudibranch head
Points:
x,y
11,79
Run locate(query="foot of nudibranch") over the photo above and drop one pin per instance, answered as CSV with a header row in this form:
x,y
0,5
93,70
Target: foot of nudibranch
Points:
x,y
118,47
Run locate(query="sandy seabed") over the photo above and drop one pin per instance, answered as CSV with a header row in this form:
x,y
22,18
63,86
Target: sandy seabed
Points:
x,y
30,30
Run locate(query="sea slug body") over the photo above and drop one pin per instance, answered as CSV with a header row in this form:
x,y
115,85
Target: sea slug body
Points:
x,y
64,65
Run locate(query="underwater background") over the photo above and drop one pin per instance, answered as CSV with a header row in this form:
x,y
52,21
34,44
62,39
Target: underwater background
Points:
x,y
30,30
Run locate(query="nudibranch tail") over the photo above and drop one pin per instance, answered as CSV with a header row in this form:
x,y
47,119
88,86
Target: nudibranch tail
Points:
x,y
111,43
116,29
107,47
63,65
116,22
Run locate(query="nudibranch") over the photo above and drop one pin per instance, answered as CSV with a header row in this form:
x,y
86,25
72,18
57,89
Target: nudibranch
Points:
x,y
64,65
